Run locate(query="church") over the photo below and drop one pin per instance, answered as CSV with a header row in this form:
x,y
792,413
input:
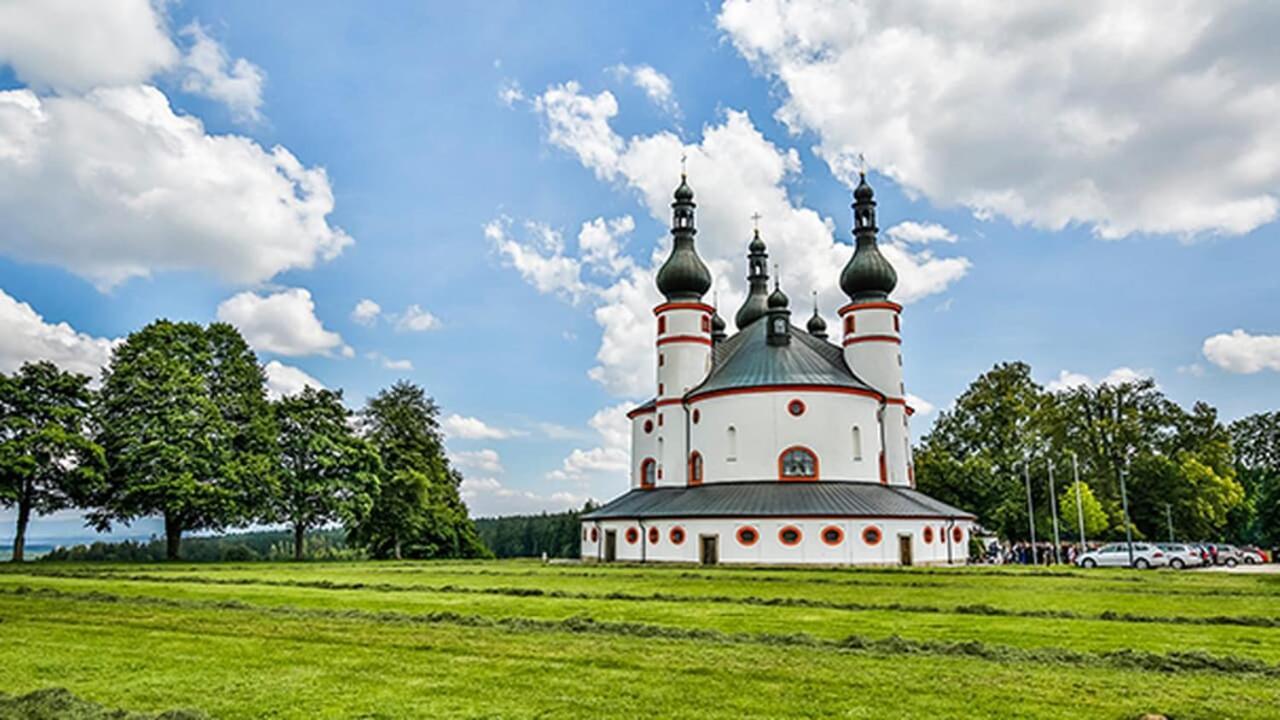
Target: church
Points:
x,y
776,444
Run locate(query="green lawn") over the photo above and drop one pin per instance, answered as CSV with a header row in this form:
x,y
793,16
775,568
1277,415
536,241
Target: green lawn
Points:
x,y
519,639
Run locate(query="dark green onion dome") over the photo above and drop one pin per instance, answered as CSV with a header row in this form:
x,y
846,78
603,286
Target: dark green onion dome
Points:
x,y
868,275
778,300
683,276
817,327
718,327
754,307
757,245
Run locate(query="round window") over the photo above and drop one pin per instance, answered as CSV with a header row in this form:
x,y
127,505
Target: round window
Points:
x,y
747,536
790,535
653,535
832,535
676,535
871,536
595,535
957,534
928,534
633,536
648,426
796,407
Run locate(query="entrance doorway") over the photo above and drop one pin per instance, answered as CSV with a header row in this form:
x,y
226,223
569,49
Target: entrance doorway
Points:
x,y
708,549
904,550
610,545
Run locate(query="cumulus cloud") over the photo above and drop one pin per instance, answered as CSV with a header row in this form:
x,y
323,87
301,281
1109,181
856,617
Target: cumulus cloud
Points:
x,y
486,460
920,405
910,231
25,336
212,74
1068,380
656,86
472,428
539,258
284,380
510,93
606,464
102,184
1017,109
366,312
1241,352
283,323
415,319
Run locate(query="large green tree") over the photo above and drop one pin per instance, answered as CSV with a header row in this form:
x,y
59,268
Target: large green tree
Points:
x,y
1089,511
187,430
418,511
327,473
1256,442
47,460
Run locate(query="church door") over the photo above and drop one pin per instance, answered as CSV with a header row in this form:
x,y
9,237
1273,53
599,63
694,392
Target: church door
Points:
x,y
610,545
904,550
708,550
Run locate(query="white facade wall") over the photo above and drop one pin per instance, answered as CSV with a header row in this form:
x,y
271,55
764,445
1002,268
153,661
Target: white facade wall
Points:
x,y
684,358
874,350
943,547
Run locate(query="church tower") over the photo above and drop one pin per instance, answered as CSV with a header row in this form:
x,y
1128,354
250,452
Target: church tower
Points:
x,y
683,337
757,303
872,338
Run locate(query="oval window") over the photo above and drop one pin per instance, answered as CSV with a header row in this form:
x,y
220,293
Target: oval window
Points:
x,y
653,535
633,536
648,426
957,534
595,534
871,535
928,535
832,535
790,536
796,407
747,536
676,535
697,415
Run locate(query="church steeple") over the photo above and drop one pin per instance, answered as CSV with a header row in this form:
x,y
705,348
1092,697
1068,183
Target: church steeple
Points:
x,y
817,327
753,308
779,313
683,276
868,276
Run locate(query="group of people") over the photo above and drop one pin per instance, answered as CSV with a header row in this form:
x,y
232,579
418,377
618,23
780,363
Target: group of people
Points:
x,y
1025,553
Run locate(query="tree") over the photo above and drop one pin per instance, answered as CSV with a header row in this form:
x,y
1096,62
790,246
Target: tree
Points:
x,y
1256,443
418,511
47,461
187,430
1095,518
327,474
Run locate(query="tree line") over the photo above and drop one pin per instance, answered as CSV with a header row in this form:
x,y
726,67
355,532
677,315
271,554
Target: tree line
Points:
x,y
559,535
1184,470
181,428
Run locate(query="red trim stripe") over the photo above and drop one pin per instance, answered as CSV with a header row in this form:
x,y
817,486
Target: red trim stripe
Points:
x,y
641,411
683,306
838,389
683,339
872,338
870,306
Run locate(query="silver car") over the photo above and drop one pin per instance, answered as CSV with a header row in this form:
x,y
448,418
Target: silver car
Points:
x,y
1181,556
1117,555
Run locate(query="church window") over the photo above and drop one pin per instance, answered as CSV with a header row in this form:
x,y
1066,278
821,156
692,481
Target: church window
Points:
x,y
897,324
697,415
957,534
928,535
648,472
706,323
798,463
633,536
779,326
662,360
662,388
662,325
871,535
832,535
747,536
857,443
648,426
790,536
595,534
731,442
584,534
660,419
695,468
796,407
676,535
653,536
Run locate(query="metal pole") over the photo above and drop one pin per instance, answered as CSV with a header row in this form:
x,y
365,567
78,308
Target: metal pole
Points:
x,y
1124,499
1053,510
1031,511
1075,472
1168,516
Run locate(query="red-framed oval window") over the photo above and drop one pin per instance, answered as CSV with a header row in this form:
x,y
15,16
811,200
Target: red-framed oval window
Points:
x,y
654,535
832,535
676,535
748,536
790,536
957,534
871,535
595,534
796,407
928,535
633,536
697,416
648,426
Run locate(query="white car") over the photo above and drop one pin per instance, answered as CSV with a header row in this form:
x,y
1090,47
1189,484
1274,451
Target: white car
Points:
x,y
1117,555
1181,556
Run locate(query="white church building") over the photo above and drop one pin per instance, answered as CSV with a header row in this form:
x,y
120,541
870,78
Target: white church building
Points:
x,y
777,444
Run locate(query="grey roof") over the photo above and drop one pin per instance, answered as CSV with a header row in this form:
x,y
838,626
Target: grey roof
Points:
x,y
773,498
748,360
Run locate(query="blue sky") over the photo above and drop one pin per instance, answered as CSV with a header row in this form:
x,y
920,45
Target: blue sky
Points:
x,y
1087,190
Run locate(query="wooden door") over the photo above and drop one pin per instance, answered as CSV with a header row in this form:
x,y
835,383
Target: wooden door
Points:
x,y
708,550
610,545
904,550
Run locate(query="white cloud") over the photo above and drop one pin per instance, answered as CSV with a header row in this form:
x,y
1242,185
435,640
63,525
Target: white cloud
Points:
x,y
600,242
103,184
1068,380
388,363
1241,352
471,428
488,497
284,323
415,319
910,231
1017,109
25,336
510,93
920,405
284,380
605,465
486,460
73,46
366,312
656,86
540,261
212,74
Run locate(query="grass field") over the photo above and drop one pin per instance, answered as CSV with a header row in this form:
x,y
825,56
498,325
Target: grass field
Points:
x,y
520,639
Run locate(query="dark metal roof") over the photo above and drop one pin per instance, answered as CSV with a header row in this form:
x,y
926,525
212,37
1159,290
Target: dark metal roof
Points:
x,y
776,499
748,360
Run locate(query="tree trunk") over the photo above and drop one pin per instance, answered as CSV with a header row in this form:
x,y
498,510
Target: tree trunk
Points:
x,y
397,546
172,537
20,536
298,531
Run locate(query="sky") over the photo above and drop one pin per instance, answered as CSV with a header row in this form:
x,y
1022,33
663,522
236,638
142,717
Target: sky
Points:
x,y
475,197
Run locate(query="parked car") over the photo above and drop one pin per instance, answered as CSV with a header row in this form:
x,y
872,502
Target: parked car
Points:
x,y
1252,556
1228,555
1181,555
1117,555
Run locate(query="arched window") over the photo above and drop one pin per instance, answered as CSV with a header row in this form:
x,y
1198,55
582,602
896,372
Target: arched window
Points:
x,y
662,325
849,324
857,442
706,323
695,468
648,473
797,463
731,444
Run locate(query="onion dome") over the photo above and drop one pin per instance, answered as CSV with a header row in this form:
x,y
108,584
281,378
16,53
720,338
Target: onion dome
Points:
x,y
754,307
683,276
778,330
868,275
777,299
816,326
757,245
718,327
